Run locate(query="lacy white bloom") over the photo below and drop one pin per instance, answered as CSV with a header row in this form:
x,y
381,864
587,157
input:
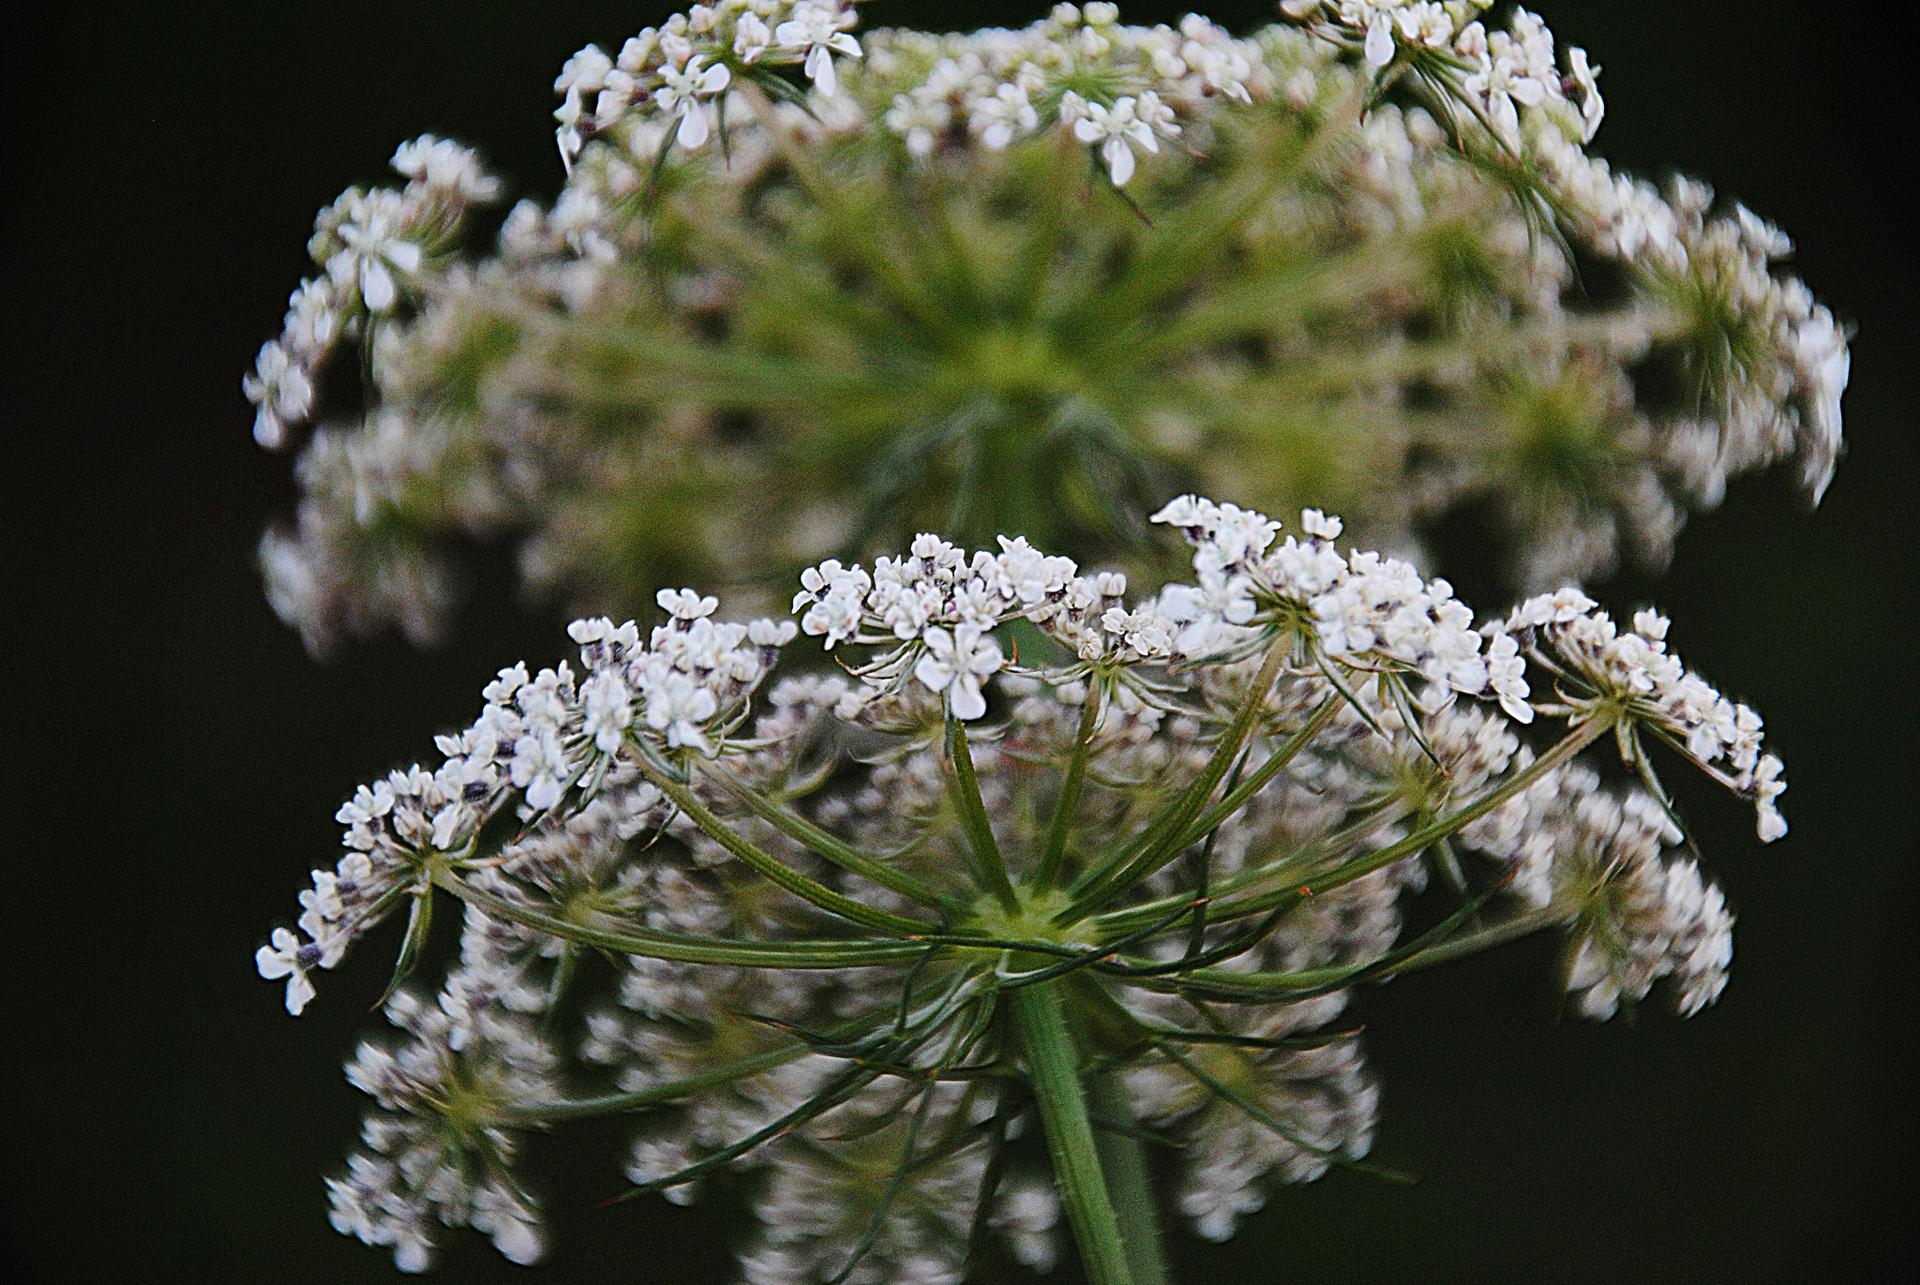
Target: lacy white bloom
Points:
x,y
787,991
490,363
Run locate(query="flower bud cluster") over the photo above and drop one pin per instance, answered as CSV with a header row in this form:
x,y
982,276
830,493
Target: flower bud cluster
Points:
x,y
375,249
433,1158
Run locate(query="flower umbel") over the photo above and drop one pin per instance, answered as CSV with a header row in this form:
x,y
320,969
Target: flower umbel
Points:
x,y
861,933
1028,280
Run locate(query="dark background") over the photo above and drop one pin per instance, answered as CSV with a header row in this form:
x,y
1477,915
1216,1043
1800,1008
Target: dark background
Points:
x,y
179,757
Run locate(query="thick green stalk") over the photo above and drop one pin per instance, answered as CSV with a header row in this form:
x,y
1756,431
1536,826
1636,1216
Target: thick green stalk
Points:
x,y
1053,1068
1123,1158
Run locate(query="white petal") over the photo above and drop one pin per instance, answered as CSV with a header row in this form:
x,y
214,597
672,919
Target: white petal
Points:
x,y
693,127
1379,41
933,672
376,285
820,70
404,255
299,991
1119,159
968,703
268,430
271,963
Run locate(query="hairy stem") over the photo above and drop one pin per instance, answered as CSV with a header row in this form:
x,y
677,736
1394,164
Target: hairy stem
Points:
x,y
1123,1157
1053,1068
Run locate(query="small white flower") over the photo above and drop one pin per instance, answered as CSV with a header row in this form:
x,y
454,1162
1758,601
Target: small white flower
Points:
x,y
290,958
1585,79
751,37
820,30
681,708
1319,525
1116,131
607,706
282,390
540,768
1002,116
686,604
681,94
956,663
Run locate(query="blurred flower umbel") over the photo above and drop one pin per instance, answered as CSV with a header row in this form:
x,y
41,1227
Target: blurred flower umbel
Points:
x,y
805,292
931,949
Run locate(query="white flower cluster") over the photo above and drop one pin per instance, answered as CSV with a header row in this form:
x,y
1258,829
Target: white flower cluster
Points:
x,y
1701,360
374,249
934,609
1776,361
1500,72
1641,918
1364,610
679,72
539,737
424,1167
648,809
1597,666
1328,1097
1111,86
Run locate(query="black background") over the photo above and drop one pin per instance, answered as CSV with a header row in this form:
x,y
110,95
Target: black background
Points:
x,y
178,758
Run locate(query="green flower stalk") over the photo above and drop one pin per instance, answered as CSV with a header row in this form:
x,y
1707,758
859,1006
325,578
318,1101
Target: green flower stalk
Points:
x,y
804,294
1041,886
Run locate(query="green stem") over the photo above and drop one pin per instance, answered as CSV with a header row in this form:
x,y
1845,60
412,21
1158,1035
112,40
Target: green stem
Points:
x,y
1053,1068
774,869
1070,787
1472,943
1292,869
534,1113
827,845
1123,1158
683,947
989,867
1257,780
1151,851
